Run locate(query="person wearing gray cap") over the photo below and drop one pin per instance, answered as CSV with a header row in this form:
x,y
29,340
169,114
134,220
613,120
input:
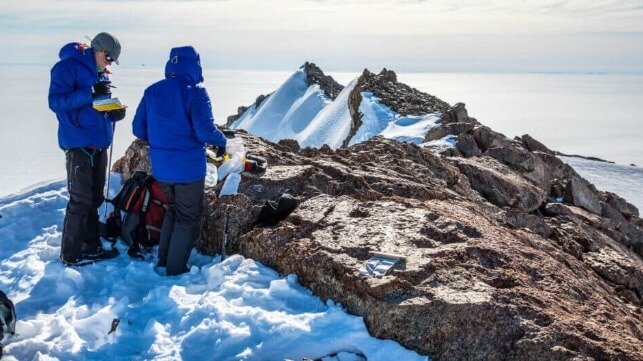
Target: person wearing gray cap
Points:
x,y
110,48
84,133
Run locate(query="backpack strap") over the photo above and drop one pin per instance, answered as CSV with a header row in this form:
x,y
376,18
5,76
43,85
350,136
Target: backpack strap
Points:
x,y
141,230
133,198
146,201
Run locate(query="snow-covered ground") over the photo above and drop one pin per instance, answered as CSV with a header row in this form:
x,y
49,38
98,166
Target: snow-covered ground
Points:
x,y
237,309
287,112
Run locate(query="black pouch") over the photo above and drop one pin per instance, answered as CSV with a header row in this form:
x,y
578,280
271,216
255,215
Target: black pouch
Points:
x,y
131,225
273,212
7,316
111,229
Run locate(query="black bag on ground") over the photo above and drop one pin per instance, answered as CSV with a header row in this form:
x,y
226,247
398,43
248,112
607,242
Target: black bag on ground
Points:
x,y
7,317
111,229
272,212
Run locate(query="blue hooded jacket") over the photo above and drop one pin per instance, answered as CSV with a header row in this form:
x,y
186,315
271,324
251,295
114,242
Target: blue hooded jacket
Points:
x,y
70,97
175,118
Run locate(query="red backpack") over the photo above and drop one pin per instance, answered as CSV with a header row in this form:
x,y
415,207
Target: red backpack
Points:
x,y
144,204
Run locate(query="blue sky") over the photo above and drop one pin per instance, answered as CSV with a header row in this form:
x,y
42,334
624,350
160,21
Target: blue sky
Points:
x,y
349,35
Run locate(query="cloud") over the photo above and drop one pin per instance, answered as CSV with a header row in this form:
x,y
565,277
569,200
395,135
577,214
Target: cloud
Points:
x,y
279,32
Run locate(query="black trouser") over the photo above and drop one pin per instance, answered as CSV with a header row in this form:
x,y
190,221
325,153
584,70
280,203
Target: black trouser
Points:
x,y
86,170
180,224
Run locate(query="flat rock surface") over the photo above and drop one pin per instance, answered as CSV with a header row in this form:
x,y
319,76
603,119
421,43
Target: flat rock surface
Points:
x,y
482,278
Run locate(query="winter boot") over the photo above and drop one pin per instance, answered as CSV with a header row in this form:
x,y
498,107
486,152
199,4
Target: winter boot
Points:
x,y
99,254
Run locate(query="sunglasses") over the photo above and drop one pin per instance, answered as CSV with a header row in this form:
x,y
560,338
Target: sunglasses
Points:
x,y
109,58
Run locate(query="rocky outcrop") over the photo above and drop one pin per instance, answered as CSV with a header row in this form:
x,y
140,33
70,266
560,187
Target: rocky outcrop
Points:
x,y
533,145
529,159
509,253
596,159
136,158
527,279
581,193
314,75
399,97
500,185
456,114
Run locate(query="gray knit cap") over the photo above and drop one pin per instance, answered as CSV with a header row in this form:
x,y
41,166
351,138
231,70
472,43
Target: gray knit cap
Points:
x,y
108,43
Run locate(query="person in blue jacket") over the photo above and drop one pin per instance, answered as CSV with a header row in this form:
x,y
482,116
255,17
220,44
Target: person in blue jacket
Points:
x,y
77,79
175,118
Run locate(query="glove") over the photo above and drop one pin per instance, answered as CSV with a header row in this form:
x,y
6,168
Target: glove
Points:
x,y
220,151
101,89
117,114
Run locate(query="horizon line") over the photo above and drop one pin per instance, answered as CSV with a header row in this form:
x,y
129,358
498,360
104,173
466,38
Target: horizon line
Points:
x,y
435,71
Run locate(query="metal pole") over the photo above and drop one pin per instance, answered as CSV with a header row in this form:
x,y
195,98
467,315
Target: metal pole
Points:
x,y
109,168
224,242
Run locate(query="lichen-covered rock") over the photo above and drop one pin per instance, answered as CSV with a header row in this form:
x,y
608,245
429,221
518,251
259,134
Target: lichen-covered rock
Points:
x,y
314,75
459,128
435,134
487,138
508,252
136,158
534,145
486,274
400,97
581,193
500,185
467,146
532,222
626,209
529,165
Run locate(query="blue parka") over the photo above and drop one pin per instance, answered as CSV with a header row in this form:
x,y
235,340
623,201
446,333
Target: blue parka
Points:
x,y
70,97
175,118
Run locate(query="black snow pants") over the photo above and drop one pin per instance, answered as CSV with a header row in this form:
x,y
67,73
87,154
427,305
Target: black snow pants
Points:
x,y
86,168
180,224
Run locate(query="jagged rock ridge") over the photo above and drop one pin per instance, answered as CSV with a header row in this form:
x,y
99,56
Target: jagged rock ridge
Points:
x,y
510,253
342,114
314,75
399,97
